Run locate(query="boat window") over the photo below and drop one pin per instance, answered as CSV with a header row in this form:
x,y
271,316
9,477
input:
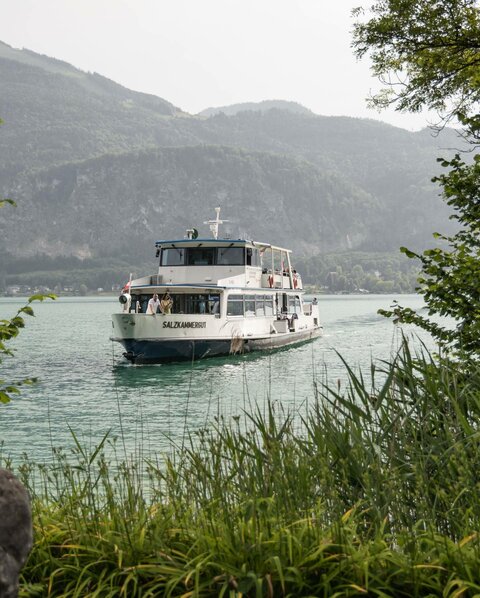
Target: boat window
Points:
x,y
268,305
249,305
235,305
291,304
230,256
200,256
139,303
173,256
297,304
195,303
253,258
260,305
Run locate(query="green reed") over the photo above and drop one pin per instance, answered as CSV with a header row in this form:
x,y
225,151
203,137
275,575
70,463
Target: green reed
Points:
x,y
373,490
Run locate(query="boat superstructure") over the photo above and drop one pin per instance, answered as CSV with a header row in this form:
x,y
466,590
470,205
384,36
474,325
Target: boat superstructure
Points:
x,y
217,296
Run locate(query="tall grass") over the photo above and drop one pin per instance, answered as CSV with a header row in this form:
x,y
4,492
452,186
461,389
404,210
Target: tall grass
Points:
x,y
373,491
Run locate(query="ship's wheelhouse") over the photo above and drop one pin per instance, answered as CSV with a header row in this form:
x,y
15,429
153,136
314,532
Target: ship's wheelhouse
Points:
x,y
202,253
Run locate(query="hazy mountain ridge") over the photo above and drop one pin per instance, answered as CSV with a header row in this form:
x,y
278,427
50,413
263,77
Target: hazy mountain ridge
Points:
x,y
92,82
51,117
262,106
96,169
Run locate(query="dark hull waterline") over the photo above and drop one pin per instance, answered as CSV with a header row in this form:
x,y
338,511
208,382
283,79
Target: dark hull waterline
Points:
x,y
150,351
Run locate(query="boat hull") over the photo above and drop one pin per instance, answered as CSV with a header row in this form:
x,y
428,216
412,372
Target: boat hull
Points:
x,y
151,351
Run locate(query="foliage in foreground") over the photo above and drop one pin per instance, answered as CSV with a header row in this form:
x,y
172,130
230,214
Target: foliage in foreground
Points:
x,y
9,329
449,281
373,491
427,55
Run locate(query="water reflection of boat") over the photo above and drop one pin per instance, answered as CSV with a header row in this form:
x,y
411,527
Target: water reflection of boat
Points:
x,y
214,297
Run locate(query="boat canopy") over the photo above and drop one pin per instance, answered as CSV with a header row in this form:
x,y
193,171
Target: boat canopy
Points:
x,y
217,243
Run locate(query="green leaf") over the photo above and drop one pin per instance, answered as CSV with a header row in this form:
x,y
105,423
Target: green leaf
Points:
x,y
5,201
42,297
408,253
12,390
4,398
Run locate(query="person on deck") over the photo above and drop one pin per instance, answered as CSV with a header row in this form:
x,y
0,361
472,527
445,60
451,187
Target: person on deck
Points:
x,y
166,304
153,305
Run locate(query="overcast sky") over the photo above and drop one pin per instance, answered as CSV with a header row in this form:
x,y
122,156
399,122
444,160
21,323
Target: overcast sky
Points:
x,y
202,53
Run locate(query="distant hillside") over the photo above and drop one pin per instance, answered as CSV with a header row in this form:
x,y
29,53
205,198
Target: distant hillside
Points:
x,y
92,83
257,107
97,169
55,113
122,204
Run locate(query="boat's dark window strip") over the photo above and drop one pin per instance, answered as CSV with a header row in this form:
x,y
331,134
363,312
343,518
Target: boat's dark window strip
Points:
x,y
209,303
183,303
196,303
209,256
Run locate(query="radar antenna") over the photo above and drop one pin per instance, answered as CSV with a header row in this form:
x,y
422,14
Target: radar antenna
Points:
x,y
214,224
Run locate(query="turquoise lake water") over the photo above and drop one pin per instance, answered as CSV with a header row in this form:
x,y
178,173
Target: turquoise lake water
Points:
x,y
85,384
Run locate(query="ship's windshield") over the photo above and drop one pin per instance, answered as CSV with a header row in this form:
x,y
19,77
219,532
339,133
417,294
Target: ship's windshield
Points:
x,y
208,256
173,256
230,256
200,256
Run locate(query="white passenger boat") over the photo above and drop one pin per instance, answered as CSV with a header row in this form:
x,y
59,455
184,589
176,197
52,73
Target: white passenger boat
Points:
x,y
215,297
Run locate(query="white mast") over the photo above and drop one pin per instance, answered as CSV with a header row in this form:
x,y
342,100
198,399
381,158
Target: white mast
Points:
x,y
214,224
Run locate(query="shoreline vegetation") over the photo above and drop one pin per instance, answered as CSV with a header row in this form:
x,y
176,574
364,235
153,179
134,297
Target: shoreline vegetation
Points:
x,y
371,490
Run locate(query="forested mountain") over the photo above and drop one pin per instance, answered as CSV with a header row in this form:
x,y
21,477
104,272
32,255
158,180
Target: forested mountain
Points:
x,y
55,113
97,169
122,203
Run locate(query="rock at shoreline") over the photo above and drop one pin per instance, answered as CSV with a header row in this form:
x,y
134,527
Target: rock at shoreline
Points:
x,y
16,535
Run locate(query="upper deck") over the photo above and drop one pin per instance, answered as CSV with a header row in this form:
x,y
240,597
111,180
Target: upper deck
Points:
x,y
225,262
221,262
